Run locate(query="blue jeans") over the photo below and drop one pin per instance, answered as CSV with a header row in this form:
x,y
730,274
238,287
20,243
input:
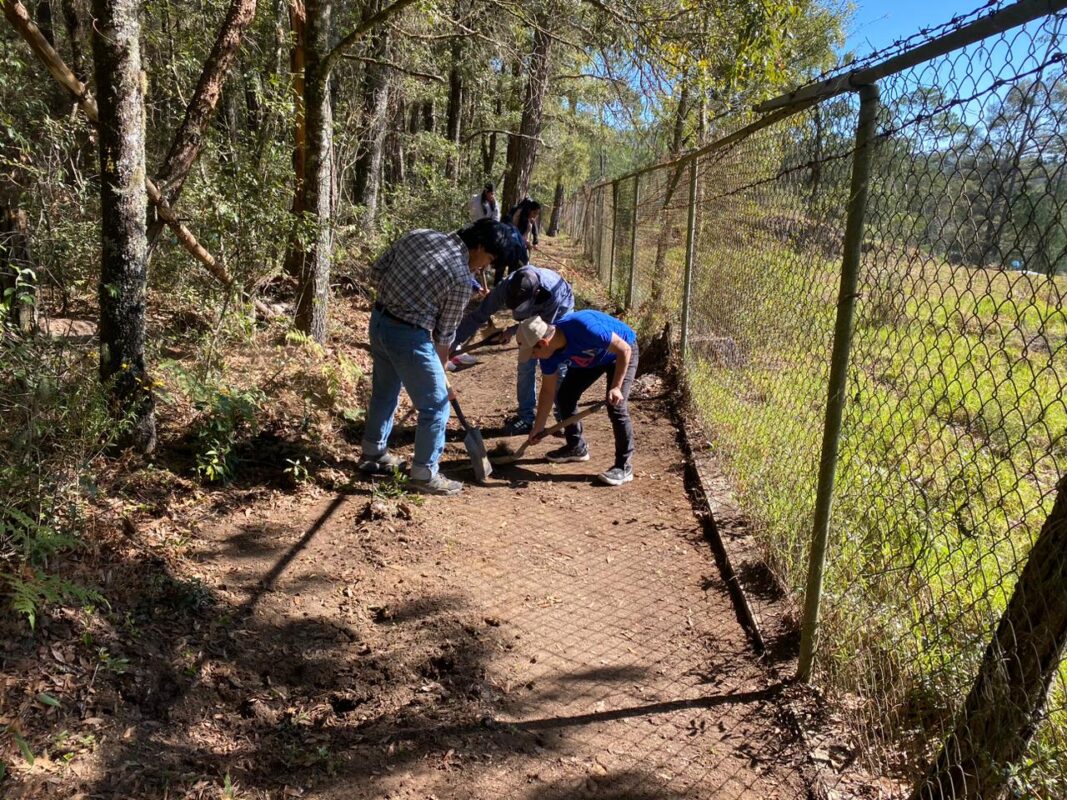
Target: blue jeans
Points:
x,y
526,388
404,356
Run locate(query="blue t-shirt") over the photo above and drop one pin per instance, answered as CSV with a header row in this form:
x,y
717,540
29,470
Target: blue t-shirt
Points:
x,y
588,335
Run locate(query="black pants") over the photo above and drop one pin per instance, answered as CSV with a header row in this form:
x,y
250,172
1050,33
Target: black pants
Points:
x,y
574,384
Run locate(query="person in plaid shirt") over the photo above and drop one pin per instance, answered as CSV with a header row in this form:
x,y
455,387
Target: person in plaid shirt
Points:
x,y
423,284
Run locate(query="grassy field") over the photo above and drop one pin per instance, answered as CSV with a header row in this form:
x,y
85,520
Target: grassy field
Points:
x,y
954,436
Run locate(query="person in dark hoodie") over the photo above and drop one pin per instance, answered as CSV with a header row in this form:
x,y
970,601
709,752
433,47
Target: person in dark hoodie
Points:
x,y
528,292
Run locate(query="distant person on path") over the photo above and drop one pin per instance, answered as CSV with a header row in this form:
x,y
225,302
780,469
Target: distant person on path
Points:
x,y
423,284
528,292
483,205
524,218
591,344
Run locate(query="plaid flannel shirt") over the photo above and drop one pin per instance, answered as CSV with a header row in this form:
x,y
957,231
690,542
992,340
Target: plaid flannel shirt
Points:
x,y
425,279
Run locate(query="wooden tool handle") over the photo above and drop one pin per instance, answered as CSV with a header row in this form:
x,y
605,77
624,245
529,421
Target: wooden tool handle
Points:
x,y
561,425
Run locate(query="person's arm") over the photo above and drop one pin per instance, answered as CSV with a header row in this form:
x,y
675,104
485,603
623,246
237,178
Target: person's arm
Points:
x,y
481,314
545,398
621,350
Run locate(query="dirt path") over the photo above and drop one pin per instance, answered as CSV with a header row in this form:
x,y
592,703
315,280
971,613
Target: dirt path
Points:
x,y
540,637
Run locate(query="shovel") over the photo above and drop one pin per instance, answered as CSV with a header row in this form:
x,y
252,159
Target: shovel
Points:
x,y
508,458
472,440
491,339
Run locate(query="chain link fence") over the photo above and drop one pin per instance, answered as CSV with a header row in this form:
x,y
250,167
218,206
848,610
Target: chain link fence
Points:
x,y
936,630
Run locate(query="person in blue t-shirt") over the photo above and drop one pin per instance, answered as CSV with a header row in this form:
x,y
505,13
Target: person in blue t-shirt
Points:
x,y
591,344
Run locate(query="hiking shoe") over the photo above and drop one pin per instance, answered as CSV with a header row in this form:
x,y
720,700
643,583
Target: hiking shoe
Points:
x,y
617,476
568,453
517,427
438,485
385,464
460,361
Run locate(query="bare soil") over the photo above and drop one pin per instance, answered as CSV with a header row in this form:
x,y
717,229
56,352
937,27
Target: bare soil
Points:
x,y
536,637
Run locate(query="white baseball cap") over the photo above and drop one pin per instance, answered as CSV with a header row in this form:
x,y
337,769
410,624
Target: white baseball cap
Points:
x,y
530,332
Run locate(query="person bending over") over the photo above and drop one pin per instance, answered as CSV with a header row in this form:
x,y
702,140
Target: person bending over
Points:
x,y
591,344
423,283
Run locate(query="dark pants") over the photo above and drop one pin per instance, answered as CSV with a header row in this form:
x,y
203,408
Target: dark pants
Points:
x,y
574,384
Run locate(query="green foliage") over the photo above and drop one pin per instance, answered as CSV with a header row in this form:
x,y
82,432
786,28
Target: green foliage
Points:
x,y
54,422
226,416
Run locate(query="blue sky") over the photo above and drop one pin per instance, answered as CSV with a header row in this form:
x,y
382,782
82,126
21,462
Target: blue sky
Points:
x,y
878,23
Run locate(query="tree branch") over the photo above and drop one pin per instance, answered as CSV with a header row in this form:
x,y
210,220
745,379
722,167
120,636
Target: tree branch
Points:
x,y
370,22
426,76
516,134
201,107
21,21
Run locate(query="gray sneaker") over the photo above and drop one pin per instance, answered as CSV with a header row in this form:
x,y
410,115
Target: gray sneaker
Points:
x,y
438,484
617,476
385,464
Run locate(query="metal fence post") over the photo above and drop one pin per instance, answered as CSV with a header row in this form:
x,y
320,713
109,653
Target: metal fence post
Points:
x,y
633,244
835,401
690,246
614,231
600,231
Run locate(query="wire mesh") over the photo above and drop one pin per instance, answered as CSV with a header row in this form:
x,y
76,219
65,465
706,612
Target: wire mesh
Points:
x,y
955,433
957,426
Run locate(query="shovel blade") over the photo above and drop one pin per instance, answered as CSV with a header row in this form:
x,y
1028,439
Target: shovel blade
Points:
x,y
479,456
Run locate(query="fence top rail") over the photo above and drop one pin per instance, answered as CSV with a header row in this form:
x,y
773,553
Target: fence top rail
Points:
x,y
794,102
993,23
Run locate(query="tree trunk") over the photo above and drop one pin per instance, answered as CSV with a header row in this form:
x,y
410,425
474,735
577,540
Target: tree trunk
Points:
x,y
665,234
253,90
123,202
368,172
817,157
557,203
1004,707
396,171
190,136
455,107
72,21
298,66
314,253
429,116
520,166
16,277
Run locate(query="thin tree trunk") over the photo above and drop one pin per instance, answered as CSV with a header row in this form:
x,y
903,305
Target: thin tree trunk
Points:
x,y
298,65
123,202
557,204
17,289
198,113
1005,704
396,174
663,239
368,172
520,169
455,106
314,275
